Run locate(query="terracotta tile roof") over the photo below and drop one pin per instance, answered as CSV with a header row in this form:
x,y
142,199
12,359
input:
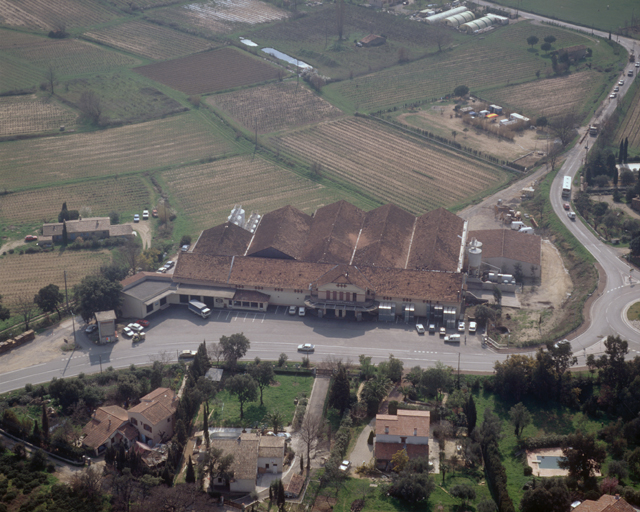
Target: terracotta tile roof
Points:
x,y
105,422
129,431
224,240
283,232
199,268
245,454
385,237
333,234
404,423
511,244
415,284
385,451
345,274
271,446
276,273
436,245
121,230
294,488
157,405
78,226
606,503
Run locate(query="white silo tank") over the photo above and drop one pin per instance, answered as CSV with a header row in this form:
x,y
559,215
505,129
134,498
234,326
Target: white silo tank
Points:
x,y
475,255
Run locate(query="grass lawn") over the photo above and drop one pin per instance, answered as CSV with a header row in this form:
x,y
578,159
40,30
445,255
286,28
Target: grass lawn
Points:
x,y
225,409
634,312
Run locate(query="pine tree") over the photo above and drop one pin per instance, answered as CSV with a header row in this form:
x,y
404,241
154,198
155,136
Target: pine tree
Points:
x,y
45,423
191,472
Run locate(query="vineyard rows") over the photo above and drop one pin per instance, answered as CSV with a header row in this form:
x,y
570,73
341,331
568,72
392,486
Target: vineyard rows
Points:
x,y
417,177
275,106
148,40
498,59
24,114
43,14
549,98
23,276
15,74
144,4
200,73
237,11
208,192
121,194
70,57
630,127
127,149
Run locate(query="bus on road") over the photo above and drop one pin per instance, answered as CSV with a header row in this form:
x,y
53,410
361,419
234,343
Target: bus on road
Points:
x,y
566,186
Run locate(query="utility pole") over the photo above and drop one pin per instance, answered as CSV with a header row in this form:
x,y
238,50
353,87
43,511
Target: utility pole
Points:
x,y
100,363
73,322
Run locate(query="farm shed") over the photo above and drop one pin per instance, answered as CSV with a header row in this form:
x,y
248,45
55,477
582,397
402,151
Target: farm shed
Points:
x,y
518,117
498,20
484,113
106,321
373,40
575,53
475,25
496,109
504,248
441,16
458,19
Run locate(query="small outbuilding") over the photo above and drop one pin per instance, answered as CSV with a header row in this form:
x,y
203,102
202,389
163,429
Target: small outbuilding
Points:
x,y
373,40
106,321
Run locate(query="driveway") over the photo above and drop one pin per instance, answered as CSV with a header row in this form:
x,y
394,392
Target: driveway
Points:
x,y
362,452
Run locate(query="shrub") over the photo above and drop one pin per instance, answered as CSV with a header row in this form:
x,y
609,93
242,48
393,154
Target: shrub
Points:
x,y
528,470
372,435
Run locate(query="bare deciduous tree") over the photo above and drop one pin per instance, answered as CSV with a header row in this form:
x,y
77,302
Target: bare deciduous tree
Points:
x,y
215,351
25,307
340,15
130,252
51,77
87,482
564,127
439,36
90,105
309,432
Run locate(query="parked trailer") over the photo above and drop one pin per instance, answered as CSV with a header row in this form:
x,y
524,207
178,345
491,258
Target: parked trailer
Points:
x,y
199,308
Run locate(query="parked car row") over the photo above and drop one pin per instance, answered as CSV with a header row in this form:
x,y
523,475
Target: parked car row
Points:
x,y
166,267
145,215
297,309
443,330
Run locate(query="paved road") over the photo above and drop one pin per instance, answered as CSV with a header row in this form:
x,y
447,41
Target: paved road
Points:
x,y
275,332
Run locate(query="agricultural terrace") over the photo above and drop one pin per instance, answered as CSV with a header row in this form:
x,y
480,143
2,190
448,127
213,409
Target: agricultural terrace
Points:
x,y
275,106
128,149
125,5
46,14
125,97
69,56
392,167
501,58
149,40
206,193
30,114
200,73
547,97
615,16
630,125
24,275
219,17
96,198
313,39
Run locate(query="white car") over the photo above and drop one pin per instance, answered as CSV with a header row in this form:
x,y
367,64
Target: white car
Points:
x,y
638,64
293,310
286,435
472,327
135,327
613,96
621,82
145,215
136,218
571,215
161,270
443,331
128,332
302,311
345,465
460,326
307,347
187,354
420,328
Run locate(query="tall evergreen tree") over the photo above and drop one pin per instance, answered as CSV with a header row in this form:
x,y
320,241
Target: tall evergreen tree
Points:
x,y
281,499
621,152
37,435
190,478
340,392
205,427
471,413
45,423
65,235
626,149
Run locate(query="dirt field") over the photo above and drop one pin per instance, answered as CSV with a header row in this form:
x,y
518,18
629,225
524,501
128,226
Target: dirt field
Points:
x,y
201,73
128,149
441,120
208,192
24,275
221,16
630,127
275,107
43,14
149,40
547,97
122,194
30,114
391,166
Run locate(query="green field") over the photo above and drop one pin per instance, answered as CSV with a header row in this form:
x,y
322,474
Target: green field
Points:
x,y
501,58
607,16
167,142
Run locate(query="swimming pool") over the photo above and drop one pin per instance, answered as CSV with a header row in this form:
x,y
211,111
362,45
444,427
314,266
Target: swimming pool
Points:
x,y
548,461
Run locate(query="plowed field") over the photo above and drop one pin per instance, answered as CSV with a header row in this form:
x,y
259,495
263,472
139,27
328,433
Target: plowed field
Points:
x,y
275,106
203,72
208,192
49,14
390,166
29,114
127,149
150,40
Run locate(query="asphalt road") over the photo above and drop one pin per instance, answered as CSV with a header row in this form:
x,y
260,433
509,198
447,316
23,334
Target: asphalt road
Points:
x,y
275,332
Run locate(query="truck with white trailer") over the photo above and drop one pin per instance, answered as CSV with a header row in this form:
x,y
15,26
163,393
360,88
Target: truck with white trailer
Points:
x,y
199,308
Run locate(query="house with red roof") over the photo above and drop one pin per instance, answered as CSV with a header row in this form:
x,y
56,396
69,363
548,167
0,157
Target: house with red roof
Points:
x,y
406,430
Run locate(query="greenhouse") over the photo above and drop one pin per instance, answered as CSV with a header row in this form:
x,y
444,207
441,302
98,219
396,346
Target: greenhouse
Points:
x,y
437,18
458,19
475,25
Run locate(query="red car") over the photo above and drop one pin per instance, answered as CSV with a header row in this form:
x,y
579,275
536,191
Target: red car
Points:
x,y
154,213
30,238
566,206
143,323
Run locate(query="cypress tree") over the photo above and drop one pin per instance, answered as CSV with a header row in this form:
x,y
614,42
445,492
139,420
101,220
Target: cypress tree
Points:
x,y
191,472
301,464
45,423
205,427
36,433
281,500
626,149
621,152
472,414
65,236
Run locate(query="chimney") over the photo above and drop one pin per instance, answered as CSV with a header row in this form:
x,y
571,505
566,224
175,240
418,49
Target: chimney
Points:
x,y
617,497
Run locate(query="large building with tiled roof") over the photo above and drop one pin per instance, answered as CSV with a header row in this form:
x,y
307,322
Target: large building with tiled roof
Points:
x,y
506,248
340,261
606,503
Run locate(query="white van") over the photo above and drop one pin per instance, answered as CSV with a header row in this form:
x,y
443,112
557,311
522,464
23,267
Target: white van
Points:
x,y
452,338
